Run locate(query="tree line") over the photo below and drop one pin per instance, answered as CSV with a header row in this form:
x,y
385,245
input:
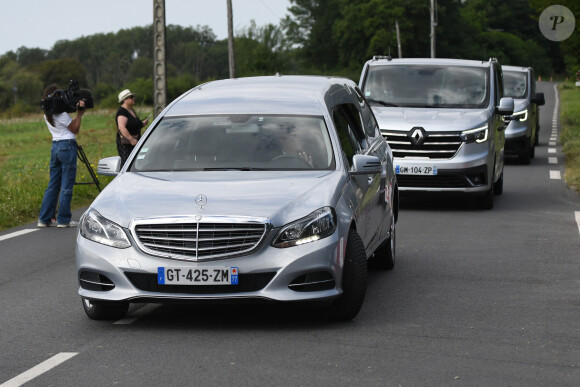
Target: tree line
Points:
x,y
333,37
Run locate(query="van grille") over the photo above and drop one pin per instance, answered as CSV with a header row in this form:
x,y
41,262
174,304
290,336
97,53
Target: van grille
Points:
x,y
435,145
199,241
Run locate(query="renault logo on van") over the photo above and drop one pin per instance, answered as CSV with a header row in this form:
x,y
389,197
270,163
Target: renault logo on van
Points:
x,y
417,136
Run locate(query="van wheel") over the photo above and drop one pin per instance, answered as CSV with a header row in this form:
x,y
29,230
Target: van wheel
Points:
x,y
526,153
384,257
354,280
498,186
485,202
105,310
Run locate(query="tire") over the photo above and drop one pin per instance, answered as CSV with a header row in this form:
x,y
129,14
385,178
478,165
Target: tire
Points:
x,y
105,310
526,154
498,186
354,281
384,257
485,202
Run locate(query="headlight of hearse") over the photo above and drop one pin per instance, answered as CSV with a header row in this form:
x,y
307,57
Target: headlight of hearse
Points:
x,y
97,228
319,224
478,135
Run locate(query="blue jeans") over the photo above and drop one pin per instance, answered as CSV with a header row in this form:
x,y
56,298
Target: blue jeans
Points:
x,y
63,172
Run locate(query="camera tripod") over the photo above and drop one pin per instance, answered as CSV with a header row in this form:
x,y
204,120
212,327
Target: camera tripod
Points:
x,y
83,158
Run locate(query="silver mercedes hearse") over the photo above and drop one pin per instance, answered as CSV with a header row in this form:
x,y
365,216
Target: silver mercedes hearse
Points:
x,y
275,188
443,119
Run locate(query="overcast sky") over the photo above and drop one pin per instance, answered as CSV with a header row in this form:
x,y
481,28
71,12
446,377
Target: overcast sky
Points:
x,y
41,23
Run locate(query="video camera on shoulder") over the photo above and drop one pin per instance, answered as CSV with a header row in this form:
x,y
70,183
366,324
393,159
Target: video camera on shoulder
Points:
x,y
66,100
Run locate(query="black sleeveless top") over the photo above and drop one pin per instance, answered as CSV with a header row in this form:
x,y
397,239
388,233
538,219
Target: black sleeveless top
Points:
x,y
134,124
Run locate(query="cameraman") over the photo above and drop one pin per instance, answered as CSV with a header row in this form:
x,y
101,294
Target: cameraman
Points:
x,y
63,165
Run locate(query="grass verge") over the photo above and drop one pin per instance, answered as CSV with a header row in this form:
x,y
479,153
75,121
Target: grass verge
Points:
x,y
570,135
24,163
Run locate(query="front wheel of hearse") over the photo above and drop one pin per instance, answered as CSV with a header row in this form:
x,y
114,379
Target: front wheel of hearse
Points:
x,y
384,257
354,280
96,310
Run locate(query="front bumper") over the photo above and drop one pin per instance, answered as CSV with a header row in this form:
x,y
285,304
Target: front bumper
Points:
x,y
312,271
517,137
468,171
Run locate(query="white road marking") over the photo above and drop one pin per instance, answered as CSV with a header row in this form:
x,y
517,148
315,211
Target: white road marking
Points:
x,y
552,160
39,369
17,233
578,220
551,150
555,175
552,143
136,315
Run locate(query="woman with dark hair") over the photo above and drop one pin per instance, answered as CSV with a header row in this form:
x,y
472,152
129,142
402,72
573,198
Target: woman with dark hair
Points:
x,y
128,124
63,164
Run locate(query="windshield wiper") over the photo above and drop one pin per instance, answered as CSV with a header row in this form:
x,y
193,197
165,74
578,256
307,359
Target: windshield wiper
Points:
x,y
382,102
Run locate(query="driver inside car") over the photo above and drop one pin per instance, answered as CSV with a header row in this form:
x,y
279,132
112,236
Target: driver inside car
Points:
x,y
292,146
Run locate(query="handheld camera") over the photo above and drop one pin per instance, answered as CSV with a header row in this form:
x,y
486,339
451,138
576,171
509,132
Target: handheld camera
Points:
x,y
66,100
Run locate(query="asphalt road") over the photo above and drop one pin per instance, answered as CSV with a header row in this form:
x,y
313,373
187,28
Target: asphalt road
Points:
x,y
477,298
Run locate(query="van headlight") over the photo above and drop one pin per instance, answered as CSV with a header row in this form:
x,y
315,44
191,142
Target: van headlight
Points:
x,y
318,225
478,135
521,115
97,228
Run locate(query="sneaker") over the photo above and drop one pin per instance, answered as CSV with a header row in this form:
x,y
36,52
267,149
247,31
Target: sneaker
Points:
x,y
72,223
41,224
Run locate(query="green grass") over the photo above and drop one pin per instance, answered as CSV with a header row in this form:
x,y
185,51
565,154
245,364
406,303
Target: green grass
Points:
x,y
24,163
570,135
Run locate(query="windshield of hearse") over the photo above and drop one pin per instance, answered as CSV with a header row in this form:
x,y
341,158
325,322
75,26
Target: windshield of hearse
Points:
x,y
427,86
240,142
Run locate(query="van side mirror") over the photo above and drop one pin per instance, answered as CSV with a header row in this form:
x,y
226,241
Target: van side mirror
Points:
x,y
506,106
538,99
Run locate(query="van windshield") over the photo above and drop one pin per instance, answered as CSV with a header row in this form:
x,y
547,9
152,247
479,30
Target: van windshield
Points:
x,y
514,84
236,142
428,86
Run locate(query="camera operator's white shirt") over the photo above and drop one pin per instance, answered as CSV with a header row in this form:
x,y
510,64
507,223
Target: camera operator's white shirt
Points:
x,y
60,130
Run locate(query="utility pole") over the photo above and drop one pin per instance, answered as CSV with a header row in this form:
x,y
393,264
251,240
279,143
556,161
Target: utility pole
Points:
x,y
433,24
231,55
398,39
159,77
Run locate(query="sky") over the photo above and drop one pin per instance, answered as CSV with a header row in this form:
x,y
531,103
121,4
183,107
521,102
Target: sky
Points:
x,y
41,23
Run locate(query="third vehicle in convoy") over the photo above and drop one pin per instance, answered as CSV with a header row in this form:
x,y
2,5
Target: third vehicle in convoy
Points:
x,y
522,133
444,121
